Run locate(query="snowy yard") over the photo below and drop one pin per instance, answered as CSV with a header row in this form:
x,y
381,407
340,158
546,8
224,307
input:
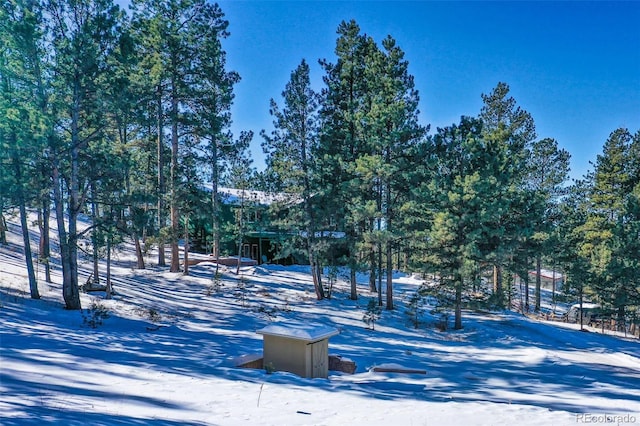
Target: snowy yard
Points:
x,y
166,355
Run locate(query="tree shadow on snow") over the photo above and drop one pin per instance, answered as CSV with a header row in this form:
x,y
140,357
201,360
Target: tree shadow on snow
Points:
x,y
500,358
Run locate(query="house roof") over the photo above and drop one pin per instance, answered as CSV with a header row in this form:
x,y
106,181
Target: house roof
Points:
x,y
265,198
545,273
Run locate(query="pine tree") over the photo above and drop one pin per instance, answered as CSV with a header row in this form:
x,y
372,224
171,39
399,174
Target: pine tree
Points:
x,y
394,137
460,215
183,56
241,176
22,123
548,173
342,139
214,88
372,314
610,226
508,132
128,141
290,150
612,180
621,288
575,251
369,139
83,36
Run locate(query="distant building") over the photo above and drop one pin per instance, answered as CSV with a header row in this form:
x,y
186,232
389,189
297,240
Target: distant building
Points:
x,y
261,240
548,279
264,239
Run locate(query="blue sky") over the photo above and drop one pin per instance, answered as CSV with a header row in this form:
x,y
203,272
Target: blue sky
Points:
x,y
575,66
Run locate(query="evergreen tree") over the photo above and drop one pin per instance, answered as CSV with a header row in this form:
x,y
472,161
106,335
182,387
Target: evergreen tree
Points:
x,y
151,84
460,215
212,107
548,173
575,252
369,139
611,219
129,141
241,176
612,180
22,122
508,133
393,136
620,288
183,56
290,153
83,36
342,140
599,229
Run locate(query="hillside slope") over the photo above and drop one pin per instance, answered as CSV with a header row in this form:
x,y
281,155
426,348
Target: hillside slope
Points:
x,y
166,355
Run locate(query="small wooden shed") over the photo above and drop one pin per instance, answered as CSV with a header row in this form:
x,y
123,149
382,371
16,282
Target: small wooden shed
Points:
x,y
299,348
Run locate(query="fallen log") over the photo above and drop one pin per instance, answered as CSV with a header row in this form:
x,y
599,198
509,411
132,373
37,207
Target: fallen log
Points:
x,y
398,370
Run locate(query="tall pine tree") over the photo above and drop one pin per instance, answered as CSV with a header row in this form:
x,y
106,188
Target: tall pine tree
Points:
x,y
508,132
290,149
83,36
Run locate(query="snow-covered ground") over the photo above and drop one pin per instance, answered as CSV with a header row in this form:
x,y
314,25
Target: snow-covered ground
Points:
x,y
166,355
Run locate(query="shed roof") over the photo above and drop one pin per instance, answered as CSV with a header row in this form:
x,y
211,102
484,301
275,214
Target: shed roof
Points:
x,y
307,332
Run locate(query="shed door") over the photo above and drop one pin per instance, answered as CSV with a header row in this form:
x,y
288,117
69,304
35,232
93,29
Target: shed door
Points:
x,y
320,359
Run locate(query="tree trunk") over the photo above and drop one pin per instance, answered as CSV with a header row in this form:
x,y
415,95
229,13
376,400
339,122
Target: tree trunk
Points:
x,y
538,282
390,305
139,254
239,256
109,289
45,246
553,287
352,280
3,229
497,285
526,292
511,291
175,252
310,222
379,243
621,322
316,270
458,304
33,284
161,183
372,269
17,170
70,292
215,228
319,277
186,246
580,313
240,232
317,285
389,248
94,237
379,249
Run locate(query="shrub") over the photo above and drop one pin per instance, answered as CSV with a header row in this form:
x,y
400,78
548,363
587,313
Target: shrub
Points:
x,y
216,284
153,315
415,308
95,315
372,314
